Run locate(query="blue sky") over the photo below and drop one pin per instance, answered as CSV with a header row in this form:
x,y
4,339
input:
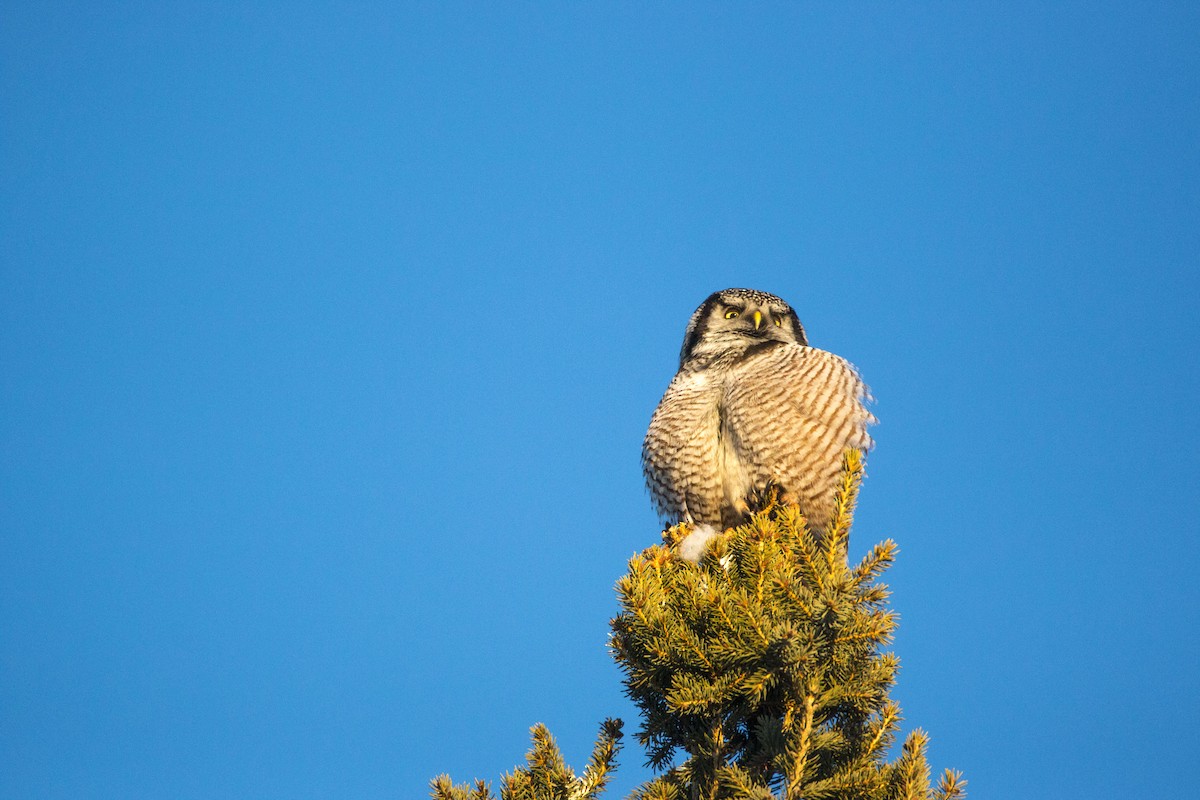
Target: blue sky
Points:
x,y
329,334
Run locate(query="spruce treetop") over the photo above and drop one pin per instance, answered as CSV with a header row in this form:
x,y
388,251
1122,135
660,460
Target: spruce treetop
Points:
x,y
760,671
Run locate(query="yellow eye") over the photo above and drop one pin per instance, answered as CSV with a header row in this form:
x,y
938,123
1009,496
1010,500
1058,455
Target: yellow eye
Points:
x,y
730,314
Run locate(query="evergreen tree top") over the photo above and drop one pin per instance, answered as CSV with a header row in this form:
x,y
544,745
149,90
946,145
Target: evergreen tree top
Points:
x,y
760,671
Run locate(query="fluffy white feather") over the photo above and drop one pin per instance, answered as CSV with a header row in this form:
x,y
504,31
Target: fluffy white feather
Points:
x,y
692,546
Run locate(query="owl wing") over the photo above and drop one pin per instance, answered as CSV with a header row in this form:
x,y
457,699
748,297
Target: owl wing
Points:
x,y
680,450
789,412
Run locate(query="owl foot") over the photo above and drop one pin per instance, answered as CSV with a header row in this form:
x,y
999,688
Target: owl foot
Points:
x,y
676,533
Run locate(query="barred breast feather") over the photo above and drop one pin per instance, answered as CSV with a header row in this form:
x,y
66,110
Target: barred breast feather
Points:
x,y
780,415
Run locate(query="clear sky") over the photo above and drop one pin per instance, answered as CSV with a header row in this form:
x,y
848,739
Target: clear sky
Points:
x,y
329,334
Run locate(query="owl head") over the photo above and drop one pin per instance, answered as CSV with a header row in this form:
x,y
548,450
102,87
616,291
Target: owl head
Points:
x,y
732,321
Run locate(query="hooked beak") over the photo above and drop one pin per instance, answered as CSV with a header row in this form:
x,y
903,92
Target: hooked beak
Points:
x,y
757,320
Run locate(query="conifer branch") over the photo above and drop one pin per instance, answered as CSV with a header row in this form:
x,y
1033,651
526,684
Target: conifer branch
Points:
x,y
951,786
743,785
443,789
889,716
546,775
799,764
837,539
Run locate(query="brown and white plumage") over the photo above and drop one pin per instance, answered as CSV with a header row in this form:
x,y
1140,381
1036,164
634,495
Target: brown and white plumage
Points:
x,y
752,408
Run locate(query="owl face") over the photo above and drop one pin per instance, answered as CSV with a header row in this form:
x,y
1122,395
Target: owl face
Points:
x,y
730,322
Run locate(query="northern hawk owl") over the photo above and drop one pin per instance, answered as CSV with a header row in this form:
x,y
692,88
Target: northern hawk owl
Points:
x,y
752,408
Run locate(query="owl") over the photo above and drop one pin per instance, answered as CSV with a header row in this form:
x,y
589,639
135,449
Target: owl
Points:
x,y
752,409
